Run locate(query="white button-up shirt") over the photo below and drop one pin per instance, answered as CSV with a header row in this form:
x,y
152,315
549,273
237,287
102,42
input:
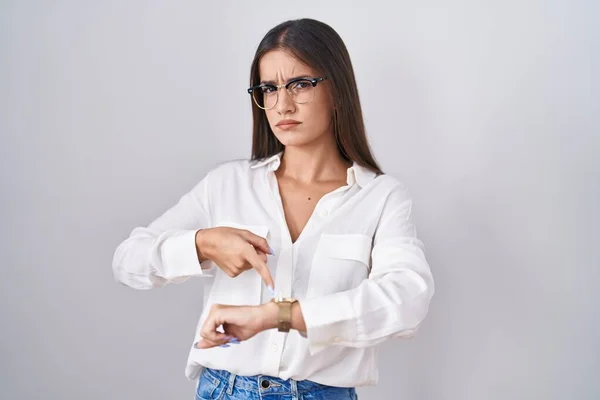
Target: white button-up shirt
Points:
x,y
357,269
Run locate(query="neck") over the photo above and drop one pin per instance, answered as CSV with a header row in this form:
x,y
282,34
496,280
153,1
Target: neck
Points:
x,y
309,164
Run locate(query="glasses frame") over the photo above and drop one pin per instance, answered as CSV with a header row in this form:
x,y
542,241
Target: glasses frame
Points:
x,y
313,81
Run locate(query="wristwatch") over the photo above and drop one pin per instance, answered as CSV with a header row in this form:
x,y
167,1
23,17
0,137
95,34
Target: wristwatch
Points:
x,y
284,318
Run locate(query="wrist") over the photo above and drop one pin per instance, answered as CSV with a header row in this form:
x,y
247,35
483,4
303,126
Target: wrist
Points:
x,y
202,245
269,313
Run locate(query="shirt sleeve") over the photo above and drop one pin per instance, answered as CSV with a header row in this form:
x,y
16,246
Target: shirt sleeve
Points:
x,y
392,302
165,251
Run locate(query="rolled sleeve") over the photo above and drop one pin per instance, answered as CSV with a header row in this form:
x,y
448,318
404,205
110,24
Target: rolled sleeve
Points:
x,y
179,257
391,302
165,251
334,323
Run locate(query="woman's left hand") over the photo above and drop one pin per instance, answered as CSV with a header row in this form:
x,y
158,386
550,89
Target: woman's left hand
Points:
x,y
240,322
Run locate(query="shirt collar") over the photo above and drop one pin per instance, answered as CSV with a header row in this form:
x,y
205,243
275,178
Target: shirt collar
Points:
x,y
356,173
272,162
359,174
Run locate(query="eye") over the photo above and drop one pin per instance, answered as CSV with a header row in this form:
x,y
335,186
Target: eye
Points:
x,y
268,89
300,85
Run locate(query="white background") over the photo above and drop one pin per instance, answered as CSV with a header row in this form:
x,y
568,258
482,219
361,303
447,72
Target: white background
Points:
x,y
487,110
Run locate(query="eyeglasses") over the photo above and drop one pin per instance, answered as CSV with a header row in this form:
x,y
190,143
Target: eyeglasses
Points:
x,y
301,90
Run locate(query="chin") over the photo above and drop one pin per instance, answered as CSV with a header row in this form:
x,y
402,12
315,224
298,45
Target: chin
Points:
x,y
294,138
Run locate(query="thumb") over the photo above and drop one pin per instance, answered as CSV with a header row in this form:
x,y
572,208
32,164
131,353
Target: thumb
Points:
x,y
259,242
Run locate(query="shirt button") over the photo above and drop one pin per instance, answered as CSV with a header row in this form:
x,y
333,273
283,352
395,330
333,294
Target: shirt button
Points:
x,y
324,213
275,348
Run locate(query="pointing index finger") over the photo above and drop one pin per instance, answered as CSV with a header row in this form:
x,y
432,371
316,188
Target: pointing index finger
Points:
x,y
261,267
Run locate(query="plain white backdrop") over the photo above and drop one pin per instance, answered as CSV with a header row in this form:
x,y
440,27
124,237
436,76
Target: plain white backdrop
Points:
x,y
487,110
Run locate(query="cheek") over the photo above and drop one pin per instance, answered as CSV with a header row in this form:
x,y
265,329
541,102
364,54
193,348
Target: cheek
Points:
x,y
321,109
271,117
320,116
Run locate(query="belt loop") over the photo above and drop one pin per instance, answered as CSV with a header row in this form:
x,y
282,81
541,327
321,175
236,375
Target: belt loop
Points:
x,y
294,388
230,383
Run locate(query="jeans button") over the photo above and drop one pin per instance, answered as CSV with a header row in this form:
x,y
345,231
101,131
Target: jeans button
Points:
x,y
265,384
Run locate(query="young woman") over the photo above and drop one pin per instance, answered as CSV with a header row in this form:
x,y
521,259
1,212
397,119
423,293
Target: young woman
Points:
x,y
308,252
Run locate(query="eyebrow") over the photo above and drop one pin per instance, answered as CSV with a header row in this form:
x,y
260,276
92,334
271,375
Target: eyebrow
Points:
x,y
288,81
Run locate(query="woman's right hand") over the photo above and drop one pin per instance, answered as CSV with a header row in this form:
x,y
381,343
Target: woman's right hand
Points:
x,y
235,251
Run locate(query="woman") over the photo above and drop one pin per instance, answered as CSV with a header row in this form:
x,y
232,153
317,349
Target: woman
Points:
x,y
308,252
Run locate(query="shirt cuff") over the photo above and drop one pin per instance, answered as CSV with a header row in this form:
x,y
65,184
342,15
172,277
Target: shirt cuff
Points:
x,y
179,256
329,320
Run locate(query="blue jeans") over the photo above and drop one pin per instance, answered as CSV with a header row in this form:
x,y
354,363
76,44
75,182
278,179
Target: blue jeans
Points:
x,y
223,385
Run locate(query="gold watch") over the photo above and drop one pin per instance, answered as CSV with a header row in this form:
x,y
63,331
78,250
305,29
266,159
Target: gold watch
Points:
x,y
284,317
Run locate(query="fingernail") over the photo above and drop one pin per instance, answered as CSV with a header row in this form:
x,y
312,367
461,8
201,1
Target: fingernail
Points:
x,y
224,345
271,251
234,341
271,289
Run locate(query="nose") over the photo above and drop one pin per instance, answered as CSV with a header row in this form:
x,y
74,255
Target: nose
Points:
x,y
285,104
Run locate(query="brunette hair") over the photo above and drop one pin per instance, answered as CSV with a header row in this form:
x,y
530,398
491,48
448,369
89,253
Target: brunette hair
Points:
x,y
319,46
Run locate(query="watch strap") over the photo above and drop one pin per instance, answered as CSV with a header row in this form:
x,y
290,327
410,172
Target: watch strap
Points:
x,y
284,315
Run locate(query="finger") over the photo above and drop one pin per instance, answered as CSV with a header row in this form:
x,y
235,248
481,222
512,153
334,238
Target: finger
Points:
x,y
215,336
258,242
227,269
206,344
234,332
262,256
212,322
261,267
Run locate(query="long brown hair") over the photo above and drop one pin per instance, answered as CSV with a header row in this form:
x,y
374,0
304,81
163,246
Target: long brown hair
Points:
x,y
319,46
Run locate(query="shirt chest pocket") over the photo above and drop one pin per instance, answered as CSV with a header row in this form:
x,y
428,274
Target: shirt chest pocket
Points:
x,y
341,262
244,289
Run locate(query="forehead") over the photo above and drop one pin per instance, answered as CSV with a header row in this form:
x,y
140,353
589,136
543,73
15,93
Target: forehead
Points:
x,y
279,65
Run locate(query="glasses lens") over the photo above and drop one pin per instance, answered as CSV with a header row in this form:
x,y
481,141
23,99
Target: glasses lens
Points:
x,y
302,91
265,96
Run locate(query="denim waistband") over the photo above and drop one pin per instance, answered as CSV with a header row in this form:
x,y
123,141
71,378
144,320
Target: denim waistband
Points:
x,y
270,385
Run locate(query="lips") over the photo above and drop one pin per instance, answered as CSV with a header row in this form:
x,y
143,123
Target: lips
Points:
x,y
287,122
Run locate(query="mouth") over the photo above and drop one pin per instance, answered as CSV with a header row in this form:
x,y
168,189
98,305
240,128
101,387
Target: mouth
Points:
x,y
287,123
